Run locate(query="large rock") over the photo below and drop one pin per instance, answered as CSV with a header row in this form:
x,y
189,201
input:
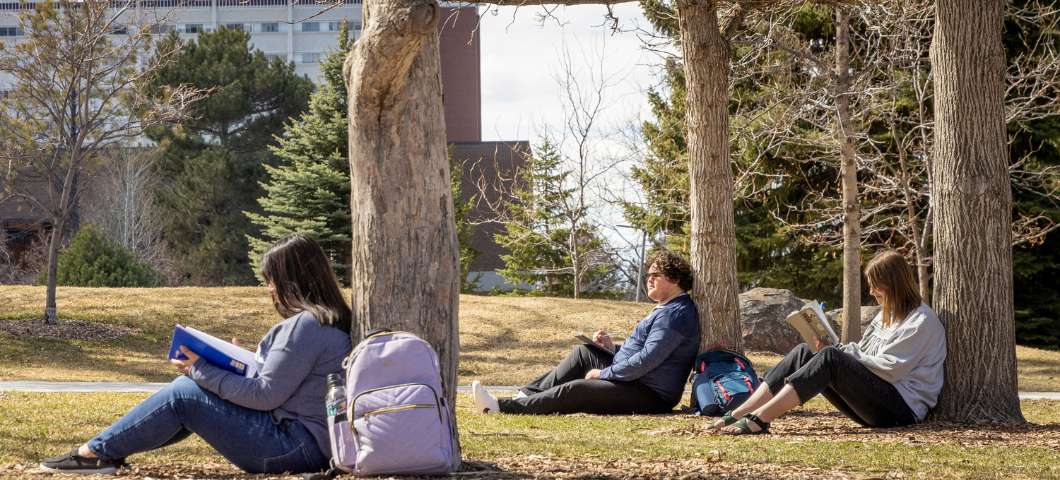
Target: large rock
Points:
x,y
762,314
867,314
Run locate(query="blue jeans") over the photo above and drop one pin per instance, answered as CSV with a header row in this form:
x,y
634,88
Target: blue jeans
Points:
x,y
248,438
851,387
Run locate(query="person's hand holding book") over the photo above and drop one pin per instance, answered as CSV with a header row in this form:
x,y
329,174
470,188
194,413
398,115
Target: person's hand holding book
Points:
x,y
184,365
820,343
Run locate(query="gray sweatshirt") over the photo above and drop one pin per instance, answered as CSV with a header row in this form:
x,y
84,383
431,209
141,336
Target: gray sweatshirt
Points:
x,y
908,354
296,356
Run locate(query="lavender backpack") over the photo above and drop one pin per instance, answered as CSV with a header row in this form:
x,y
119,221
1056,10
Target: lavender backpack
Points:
x,y
397,418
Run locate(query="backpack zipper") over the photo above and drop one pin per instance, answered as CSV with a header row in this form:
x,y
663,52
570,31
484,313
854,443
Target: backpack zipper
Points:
x,y
394,409
349,411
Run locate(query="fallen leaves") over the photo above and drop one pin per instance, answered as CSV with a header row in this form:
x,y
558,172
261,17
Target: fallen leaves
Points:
x,y
538,466
825,424
65,329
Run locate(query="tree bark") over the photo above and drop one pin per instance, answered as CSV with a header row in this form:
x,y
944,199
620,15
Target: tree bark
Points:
x,y
706,62
851,331
405,257
51,315
973,207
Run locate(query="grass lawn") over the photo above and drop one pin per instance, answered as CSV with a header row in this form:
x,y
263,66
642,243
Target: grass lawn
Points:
x,y
813,441
504,341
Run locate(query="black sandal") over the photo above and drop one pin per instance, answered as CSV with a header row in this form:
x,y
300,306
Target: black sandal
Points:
x,y
763,427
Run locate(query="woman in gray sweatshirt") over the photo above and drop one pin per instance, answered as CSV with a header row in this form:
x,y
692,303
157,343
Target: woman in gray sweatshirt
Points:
x,y
891,378
273,422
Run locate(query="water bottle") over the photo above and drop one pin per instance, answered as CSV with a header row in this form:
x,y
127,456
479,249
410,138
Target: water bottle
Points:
x,y
336,399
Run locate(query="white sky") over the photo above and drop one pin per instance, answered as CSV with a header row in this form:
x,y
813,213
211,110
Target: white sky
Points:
x,y
519,52
520,55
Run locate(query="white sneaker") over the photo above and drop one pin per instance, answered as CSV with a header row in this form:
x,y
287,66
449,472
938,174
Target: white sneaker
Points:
x,y
520,394
484,402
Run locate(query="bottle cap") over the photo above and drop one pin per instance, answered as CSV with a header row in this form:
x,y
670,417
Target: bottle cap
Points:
x,y
334,380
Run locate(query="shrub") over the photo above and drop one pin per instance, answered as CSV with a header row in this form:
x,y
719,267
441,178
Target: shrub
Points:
x,y
97,260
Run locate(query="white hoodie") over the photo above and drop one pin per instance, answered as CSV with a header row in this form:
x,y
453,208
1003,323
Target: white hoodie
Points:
x,y
908,354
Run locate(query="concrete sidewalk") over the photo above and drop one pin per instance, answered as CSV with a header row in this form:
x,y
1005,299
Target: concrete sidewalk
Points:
x,y
31,386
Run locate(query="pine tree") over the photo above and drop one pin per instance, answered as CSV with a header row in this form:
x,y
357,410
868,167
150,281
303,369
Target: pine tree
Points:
x,y
212,166
97,260
767,255
538,231
309,191
464,228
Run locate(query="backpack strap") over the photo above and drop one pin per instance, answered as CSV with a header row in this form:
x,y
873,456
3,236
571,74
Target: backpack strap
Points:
x,y
377,331
327,475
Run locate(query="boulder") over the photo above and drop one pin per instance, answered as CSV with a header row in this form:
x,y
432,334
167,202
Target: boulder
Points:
x,y
867,314
762,314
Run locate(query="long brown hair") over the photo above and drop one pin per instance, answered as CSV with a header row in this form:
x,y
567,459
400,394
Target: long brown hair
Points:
x,y
890,273
299,270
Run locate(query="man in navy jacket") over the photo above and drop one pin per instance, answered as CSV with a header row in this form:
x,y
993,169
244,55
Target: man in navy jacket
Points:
x,y
647,373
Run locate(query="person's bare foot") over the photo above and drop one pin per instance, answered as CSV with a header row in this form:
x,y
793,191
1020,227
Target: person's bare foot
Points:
x,y
747,424
728,418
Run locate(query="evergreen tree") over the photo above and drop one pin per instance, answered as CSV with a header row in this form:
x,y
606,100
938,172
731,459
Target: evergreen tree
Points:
x,y
1035,265
212,166
767,254
538,232
309,191
96,260
464,228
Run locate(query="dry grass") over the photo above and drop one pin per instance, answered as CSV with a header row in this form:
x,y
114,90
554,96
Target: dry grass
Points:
x,y
813,441
1039,370
503,341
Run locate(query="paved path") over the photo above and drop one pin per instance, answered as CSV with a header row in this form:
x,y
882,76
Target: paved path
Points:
x,y
29,386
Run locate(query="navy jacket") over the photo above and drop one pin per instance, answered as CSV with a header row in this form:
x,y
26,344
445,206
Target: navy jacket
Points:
x,y
661,350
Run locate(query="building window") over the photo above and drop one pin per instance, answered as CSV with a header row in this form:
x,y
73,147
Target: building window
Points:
x,y
273,56
193,28
270,27
160,29
335,26
10,31
234,26
311,26
309,57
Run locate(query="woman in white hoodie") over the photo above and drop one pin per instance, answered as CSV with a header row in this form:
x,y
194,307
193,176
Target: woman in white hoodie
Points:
x,y
891,378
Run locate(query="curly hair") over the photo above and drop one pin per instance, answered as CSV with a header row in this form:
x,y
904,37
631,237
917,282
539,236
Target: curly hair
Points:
x,y
674,266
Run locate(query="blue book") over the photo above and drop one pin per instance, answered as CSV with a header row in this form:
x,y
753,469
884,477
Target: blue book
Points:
x,y
216,351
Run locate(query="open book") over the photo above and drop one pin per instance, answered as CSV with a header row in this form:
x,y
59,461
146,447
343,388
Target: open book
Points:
x,y
588,341
811,322
216,351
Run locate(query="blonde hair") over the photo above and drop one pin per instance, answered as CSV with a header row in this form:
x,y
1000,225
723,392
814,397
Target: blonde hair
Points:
x,y
890,273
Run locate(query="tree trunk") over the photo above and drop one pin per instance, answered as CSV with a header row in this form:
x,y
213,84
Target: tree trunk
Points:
x,y
405,256
919,252
706,62
973,208
50,312
851,331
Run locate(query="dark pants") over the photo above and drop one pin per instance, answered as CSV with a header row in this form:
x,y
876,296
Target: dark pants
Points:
x,y
846,383
565,390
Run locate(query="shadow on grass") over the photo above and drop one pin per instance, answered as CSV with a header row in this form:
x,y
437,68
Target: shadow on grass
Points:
x,y
127,359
